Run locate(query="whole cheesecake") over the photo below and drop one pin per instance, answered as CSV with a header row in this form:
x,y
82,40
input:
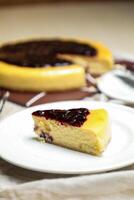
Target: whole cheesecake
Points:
x,y
51,64
78,129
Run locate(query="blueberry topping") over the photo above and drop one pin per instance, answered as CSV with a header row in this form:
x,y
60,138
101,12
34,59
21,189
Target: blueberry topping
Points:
x,y
43,53
74,117
47,137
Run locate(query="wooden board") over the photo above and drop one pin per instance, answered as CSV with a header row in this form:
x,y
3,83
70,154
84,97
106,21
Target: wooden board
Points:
x,y
24,98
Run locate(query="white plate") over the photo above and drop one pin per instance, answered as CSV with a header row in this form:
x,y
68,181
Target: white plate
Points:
x,y
18,144
114,87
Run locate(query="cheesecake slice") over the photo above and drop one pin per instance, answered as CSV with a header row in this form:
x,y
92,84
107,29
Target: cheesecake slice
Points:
x,y
78,129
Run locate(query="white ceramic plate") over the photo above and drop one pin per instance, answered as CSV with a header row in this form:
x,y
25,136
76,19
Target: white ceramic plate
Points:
x,y
114,87
19,146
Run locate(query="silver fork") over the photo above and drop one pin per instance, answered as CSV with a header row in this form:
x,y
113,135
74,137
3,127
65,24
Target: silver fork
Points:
x,y
3,100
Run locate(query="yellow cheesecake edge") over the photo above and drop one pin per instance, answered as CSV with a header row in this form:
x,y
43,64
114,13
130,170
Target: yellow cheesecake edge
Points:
x,y
41,79
98,122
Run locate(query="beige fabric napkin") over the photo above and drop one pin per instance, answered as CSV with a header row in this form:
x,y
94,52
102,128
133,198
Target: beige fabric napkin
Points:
x,y
109,186
21,184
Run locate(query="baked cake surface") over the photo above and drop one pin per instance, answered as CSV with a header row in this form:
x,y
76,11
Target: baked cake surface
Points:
x,y
78,129
41,65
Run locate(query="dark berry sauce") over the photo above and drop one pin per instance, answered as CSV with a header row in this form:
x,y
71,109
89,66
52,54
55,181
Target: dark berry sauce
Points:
x,y
42,53
74,117
128,64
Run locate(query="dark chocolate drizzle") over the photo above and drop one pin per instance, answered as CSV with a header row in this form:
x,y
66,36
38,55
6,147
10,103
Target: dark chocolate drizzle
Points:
x,y
74,117
42,53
